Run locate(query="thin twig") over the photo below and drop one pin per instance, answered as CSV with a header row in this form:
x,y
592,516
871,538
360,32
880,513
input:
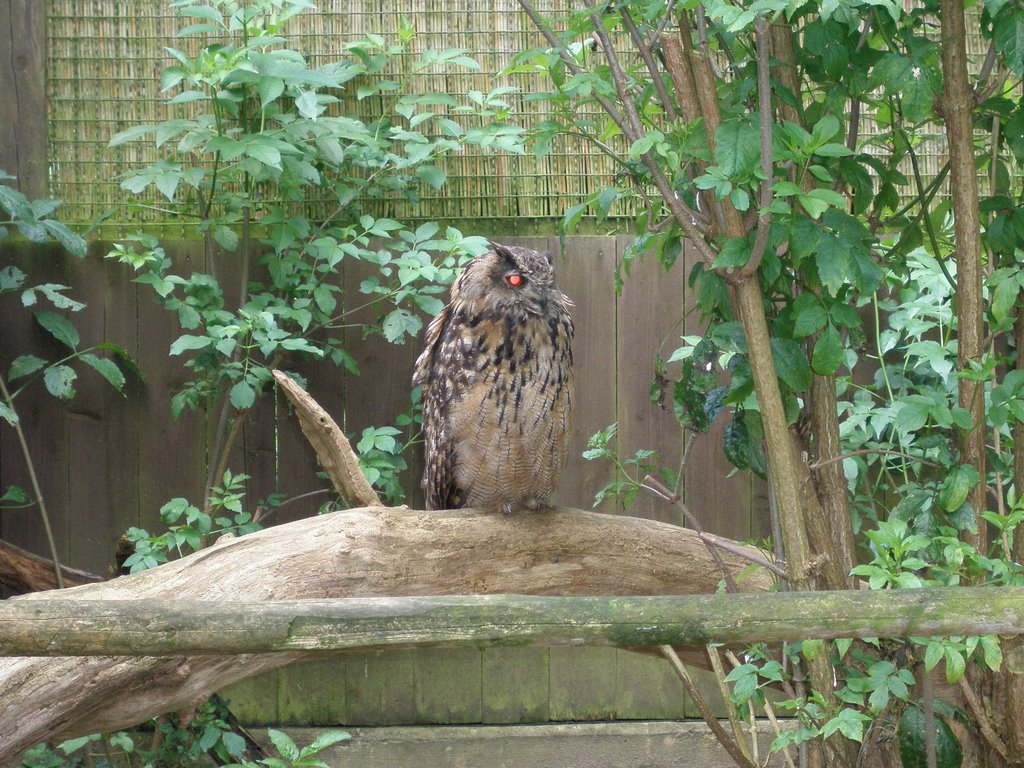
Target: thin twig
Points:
x,y
705,711
985,727
652,66
710,538
730,707
764,109
655,486
928,703
36,489
768,711
632,128
878,451
571,64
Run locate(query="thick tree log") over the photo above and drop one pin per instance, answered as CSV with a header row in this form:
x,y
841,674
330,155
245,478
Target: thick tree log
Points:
x,y
169,627
25,572
360,553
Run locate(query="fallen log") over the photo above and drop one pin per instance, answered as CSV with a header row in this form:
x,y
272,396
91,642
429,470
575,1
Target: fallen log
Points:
x,y
367,552
24,571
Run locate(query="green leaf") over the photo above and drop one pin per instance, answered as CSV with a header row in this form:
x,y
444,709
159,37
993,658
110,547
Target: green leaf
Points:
x,y
269,89
325,740
932,655
955,665
1008,36
242,395
737,148
285,746
233,743
131,134
645,143
735,253
106,368
24,365
431,175
956,486
833,261
226,238
309,106
913,412
911,736
60,327
808,315
70,241
60,380
791,364
828,352
11,417
993,654
265,153
187,342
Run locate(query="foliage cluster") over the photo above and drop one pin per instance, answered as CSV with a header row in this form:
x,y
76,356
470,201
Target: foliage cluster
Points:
x,y
741,127
208,735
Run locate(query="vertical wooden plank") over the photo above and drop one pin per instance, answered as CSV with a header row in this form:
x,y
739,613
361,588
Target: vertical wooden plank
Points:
x,y
102,423
254,700
312,693
172,454
43,417
382,390
650,311
447,685
584,682
515,685
23,94
648,688
585,274
379,688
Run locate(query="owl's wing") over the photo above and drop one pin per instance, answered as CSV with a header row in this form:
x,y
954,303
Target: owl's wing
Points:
x,y
432,371
431,341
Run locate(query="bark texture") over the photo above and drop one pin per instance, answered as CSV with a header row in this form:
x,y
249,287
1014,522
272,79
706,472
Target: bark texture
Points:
x,y
360,553
25,572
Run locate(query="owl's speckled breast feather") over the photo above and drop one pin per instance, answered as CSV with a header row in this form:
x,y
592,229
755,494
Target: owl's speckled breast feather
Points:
x,y
498,388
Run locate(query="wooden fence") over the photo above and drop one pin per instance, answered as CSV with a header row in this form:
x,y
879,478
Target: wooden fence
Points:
x,y
108,462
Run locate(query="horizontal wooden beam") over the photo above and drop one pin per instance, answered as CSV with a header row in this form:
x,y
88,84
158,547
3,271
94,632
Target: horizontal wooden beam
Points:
x,y
60,627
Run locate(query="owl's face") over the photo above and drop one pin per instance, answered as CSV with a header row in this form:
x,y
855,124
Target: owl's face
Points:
x,y
509,278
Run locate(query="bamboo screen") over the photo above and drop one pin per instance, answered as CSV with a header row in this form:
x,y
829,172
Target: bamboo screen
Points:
x,y
104,58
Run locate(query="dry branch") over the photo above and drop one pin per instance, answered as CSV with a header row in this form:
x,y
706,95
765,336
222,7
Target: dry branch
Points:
x,y
360,553
331,446
25,572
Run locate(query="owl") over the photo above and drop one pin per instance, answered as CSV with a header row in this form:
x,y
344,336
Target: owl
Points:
x,y
497,379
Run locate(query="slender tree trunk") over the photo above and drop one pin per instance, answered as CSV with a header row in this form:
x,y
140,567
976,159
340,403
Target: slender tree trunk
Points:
x,y
957,109
1000,696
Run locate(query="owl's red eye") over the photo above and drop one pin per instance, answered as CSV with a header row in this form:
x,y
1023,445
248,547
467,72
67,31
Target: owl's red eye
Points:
x,y
515,279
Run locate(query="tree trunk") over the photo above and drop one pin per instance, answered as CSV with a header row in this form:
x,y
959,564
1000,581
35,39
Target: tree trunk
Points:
x,y
361,553
957,110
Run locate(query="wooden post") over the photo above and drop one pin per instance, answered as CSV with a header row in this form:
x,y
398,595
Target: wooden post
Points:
x,y
23,94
